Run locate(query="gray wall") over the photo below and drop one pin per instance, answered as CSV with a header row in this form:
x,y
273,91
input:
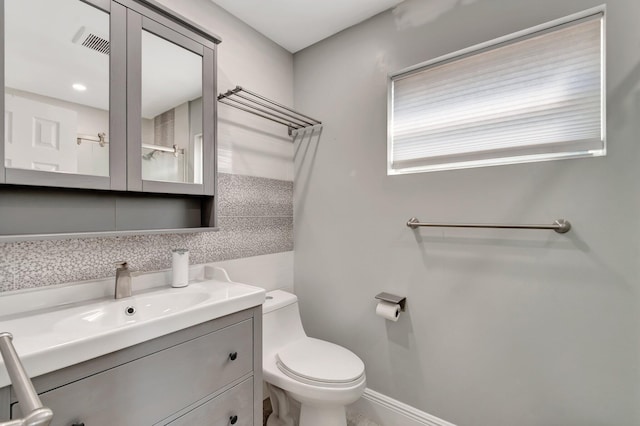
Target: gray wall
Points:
x,y
255,187
503,327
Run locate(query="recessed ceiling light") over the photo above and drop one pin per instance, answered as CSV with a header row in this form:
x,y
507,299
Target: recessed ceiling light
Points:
x,y
79,87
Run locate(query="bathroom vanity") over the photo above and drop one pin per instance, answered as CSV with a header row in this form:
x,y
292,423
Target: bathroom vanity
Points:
x,y
206,371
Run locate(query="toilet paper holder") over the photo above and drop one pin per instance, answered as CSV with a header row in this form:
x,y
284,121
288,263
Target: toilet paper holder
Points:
x,y
392,298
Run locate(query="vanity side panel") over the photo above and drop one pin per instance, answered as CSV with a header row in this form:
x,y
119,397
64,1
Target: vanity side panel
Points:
x,y
5,400
257,366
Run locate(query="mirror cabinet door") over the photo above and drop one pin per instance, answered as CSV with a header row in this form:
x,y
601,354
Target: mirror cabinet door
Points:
x,y
171,110
57,87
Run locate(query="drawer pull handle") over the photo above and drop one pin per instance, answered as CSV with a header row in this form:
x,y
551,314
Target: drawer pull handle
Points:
x,y
78,424
232,357
233,420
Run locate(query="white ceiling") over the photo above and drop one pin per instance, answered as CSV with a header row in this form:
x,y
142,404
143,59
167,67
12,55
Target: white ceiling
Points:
x,y
296,24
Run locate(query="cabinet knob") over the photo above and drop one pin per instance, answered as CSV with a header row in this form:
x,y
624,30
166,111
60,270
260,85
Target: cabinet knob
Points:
x,y
233,420
232,357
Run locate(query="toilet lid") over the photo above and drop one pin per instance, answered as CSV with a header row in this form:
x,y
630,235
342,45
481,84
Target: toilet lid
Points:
x,y
320,361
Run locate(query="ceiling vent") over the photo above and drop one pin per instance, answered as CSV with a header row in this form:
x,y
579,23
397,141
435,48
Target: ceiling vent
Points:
x,y
92,40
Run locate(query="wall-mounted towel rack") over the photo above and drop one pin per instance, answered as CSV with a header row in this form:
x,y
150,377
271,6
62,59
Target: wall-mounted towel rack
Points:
x,y
175,149
561,226
101,139
256,104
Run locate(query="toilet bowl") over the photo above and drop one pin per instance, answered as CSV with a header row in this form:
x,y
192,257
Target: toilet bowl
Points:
x,y
323,377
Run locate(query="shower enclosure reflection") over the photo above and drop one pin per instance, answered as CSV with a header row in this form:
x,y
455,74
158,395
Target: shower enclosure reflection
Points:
x,y
171,117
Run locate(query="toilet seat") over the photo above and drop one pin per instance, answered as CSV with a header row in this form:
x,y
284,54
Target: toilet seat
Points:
x,y
320,363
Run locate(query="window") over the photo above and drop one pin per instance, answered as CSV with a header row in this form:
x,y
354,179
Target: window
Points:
x,y
532,96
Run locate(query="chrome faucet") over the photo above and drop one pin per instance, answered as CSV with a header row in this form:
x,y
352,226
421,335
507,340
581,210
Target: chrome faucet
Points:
x,y
123,280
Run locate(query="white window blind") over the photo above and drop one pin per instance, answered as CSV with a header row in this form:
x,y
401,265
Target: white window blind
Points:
x,y
533,97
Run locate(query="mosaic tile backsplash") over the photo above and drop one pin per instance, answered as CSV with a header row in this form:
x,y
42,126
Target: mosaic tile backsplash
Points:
x,y
255,217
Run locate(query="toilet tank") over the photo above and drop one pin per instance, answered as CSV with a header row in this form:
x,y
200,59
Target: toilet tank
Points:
x,y
281,322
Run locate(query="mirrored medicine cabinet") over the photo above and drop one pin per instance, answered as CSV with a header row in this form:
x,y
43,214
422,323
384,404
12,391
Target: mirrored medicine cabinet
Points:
x,y
106,102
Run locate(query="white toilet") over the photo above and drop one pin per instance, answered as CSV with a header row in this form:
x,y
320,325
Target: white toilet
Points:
x,y
321,376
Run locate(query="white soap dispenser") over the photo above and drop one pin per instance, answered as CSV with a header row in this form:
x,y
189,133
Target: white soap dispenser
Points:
x,y
180,268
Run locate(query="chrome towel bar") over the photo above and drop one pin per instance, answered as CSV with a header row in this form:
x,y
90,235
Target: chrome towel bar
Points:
x,y
36,414
561,226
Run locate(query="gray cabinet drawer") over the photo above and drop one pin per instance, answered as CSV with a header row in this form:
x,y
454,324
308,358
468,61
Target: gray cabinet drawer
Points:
x,y
149,389
237,401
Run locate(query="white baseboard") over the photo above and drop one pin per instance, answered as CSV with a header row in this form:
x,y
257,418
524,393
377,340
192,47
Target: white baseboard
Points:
x,y
387,411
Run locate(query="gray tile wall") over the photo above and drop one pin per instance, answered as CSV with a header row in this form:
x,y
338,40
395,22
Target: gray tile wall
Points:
x,y
255,218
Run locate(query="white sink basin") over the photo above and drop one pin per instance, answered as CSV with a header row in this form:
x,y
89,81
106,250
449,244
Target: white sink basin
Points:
x,y
56,337
123,312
